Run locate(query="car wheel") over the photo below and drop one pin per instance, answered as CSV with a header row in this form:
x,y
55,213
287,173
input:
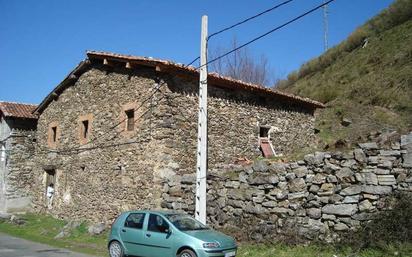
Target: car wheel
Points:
x,y
116,249
187,253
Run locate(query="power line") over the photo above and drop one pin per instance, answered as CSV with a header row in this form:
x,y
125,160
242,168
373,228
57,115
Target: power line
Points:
x,y
267,33
248,19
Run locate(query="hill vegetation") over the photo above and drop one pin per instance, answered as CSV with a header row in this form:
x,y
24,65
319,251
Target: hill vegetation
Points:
x,y
365,81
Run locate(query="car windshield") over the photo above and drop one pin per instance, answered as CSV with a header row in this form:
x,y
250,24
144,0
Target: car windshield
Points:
x,y
185,222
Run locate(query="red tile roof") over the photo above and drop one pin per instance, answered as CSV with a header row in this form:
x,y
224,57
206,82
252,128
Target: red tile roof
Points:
x,y
168,66
18,110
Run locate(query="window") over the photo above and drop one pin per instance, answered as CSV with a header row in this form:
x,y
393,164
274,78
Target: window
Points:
x,y
135,220
157,224
54,134
264,131
85,128
85,124
130,120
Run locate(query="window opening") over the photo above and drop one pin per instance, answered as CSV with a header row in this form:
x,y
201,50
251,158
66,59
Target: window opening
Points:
x,y
130,120
54,134
85,128
264,132
50,187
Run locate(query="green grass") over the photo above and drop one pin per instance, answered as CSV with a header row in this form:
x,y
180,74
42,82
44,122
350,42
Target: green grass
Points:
x,y
370,85
43,229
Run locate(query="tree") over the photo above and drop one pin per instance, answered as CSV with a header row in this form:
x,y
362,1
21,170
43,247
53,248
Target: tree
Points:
x,y
242,65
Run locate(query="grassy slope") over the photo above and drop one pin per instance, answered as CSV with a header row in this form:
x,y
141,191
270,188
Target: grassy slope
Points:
x,y
43,229
372,86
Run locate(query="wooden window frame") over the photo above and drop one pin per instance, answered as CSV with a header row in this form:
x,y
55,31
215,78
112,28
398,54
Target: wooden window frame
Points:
x,y
123,128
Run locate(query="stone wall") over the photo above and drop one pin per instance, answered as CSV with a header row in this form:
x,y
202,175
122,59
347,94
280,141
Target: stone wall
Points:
x,y
318,197
115,170
16,165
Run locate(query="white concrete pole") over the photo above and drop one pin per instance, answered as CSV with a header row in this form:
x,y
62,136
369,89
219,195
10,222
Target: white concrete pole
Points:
x,y
201,168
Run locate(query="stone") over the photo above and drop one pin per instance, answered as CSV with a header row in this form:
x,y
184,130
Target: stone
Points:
x,y
300,172
365,206
360,156
269,204
396,153
67,229
351,199
344,174
232,184
297,195
340,227
188,179
367,178
314,188
96,229
297,185
377,190
4,216
386,180
260,166
262,179
340,209
314,213
331,179
346,122
351,190
319,179
369,146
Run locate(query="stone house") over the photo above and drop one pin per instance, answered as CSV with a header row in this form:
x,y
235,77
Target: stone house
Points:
x,y
17,131
118,126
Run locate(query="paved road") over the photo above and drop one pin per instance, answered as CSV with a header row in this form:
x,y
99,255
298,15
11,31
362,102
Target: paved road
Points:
x,y
16,247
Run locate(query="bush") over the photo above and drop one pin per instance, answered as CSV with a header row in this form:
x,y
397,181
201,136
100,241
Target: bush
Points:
x,y
390,227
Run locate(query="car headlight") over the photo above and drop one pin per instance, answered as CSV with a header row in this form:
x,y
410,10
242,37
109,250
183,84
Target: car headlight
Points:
x,y
211,245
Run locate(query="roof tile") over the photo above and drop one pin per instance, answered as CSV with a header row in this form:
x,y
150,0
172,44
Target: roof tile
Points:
x,y
18,110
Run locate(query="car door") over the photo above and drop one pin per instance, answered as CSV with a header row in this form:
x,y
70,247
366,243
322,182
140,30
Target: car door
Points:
x,y
132,233
157,239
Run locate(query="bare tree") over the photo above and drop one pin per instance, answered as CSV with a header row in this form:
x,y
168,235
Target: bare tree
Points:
x,y
242,65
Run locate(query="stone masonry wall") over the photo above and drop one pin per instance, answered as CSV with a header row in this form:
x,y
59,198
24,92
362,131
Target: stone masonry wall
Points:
x,y
317,198
115,170
18,174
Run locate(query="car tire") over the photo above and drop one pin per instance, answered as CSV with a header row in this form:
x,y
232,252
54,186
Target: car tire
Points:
x,y
116,249
187,253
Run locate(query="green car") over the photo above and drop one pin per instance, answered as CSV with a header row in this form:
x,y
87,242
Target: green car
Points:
x,y
166,234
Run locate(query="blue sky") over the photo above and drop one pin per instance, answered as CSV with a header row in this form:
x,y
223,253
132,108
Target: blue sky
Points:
x,y
42,41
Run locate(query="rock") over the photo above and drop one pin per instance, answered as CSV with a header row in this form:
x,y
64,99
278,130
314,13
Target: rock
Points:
x,y
346,122
351,199
352,190
331,179
96,229
300,172
386,180
314,188
297,185
314,213
4,216
360,156
297,195
260,166
367,178
319,179
269,204
377,190
395,153
328,217
369,146
232,184
68,228
17,220
262,179
344,174
340,209
365,206
340,227
278,168
188,179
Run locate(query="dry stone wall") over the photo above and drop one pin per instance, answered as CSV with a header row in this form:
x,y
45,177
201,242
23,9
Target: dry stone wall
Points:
x,y
316,198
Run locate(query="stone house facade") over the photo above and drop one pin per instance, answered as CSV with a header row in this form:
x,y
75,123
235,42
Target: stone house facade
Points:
x,y
117,126
17,139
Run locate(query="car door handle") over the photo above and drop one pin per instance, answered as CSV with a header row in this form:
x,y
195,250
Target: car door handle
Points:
x,y
148,235
123,230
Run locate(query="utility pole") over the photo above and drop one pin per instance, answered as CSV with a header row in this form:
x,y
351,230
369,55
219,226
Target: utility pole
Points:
x,y
325,25
201,167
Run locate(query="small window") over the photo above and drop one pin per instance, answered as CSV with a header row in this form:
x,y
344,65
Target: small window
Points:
x,y
264,131
54,134
157,224
130,120
85,128
135,220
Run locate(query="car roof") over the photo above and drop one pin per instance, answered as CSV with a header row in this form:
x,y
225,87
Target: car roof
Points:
x,y
161,212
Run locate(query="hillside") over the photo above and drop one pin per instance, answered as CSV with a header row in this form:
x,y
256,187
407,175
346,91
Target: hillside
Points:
x,y
366,81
